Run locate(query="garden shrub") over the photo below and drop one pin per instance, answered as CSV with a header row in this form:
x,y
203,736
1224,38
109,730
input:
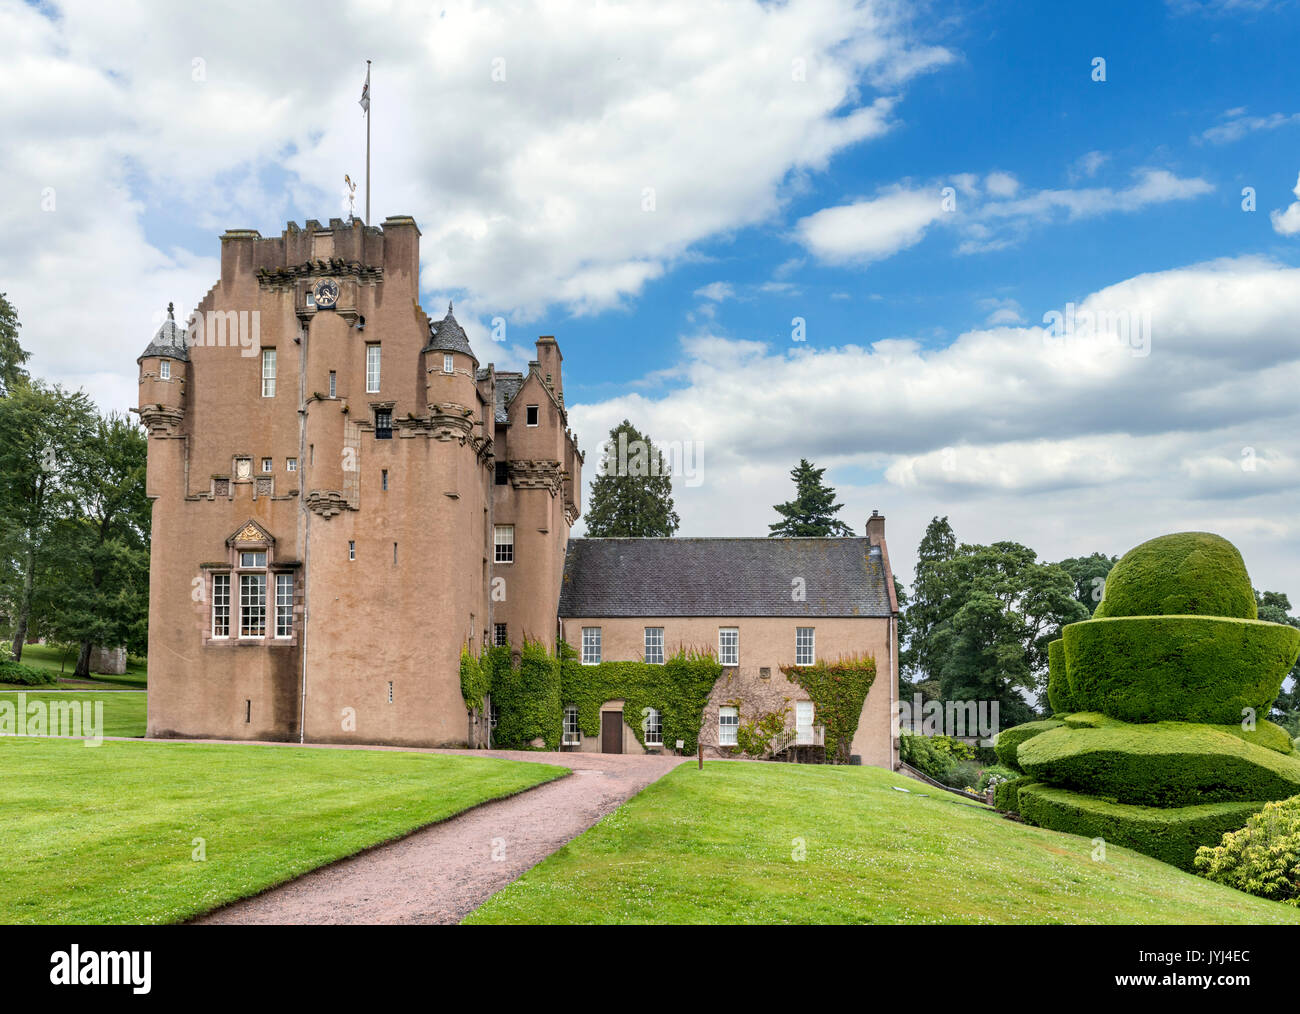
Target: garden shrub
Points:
x,y
26,675
1058,687
1172,836
994,776
1167,764
1006,795
963,775
936,756
1009,739
1262,858
1184,574
1184,668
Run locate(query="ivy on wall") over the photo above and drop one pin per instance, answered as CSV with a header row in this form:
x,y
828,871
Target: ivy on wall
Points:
x,y
527,697
475,680
838,690
755,739
678,689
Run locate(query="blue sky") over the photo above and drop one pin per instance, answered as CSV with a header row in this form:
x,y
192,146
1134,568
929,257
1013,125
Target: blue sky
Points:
x,y
925,384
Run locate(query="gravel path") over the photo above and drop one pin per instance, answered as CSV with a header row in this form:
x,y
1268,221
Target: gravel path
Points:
x,y
443,872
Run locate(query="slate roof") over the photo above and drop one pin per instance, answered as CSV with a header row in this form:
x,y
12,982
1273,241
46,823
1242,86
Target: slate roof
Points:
x,y
448,336
168,341
508,385
722,577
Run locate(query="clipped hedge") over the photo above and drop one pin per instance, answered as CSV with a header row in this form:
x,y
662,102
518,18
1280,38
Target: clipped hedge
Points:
x,y
1058,687
678,690
1184,574
1172,836
1184,668
1009,739
1166,764
26,675
1265,734
1006,795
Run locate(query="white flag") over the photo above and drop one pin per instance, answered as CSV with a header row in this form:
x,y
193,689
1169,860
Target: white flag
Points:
x,y
365,92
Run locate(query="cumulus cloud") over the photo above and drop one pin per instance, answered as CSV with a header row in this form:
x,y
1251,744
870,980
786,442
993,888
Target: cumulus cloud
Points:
x,y
1068,442
1237,125
1286,222
989,218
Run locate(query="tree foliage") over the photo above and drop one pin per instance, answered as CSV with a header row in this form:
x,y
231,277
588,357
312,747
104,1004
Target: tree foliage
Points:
x,y
981,618
12,354
632,497
811,514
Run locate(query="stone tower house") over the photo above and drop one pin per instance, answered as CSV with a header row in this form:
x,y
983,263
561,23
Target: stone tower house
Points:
x,y
343,498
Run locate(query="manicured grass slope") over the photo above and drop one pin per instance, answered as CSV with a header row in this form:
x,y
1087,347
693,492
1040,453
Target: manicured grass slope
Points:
x,y
124,710
716,847
107,834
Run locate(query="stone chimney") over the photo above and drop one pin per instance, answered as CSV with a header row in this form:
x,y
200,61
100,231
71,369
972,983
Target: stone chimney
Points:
x,y
875,528
548,363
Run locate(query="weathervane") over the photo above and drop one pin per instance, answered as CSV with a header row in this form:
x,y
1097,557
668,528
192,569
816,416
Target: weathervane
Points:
x,y
352,196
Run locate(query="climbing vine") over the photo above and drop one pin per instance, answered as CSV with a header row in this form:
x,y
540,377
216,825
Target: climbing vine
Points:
x,y
755,739
678,689
527,697
475,681
838,690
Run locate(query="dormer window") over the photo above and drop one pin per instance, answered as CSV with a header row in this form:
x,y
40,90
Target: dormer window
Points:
x,y
165,370
530,416
448,363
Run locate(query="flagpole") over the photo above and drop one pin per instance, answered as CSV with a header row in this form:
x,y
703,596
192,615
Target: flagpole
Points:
x,y
367,143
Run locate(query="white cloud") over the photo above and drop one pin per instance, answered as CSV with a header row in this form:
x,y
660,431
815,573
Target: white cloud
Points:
x,y
716,291
531,189
1068,446
1002,311
1237,125
872,229
1287,221
1000,184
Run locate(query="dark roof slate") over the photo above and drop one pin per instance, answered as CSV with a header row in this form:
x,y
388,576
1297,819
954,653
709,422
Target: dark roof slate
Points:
x,y
508,385
168,341
723,577
448,336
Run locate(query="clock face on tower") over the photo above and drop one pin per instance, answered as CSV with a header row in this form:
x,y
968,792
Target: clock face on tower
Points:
x,y
326,293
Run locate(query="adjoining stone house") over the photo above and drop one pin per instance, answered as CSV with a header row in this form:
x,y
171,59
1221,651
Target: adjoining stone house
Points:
x,y
343,498
757,603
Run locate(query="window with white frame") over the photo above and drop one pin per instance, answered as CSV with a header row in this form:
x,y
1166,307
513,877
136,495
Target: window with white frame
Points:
x,y
283,605
372,369
504,538
254,558
531,415
572,734
590,646
220,605
654,645
334,384
654,728
291,464
728,723
165,370
448,363
352,549
728,646
266,465
252,605
268,373
804,645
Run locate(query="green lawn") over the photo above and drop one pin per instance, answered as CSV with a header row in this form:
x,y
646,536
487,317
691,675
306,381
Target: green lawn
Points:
x,y
717,846
59,662
124,710
107,834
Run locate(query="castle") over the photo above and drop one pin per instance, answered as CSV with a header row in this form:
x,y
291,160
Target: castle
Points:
x,y
344,498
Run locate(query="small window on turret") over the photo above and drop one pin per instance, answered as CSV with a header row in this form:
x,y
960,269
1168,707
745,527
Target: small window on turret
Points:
x,y
165,370
531,416
448,363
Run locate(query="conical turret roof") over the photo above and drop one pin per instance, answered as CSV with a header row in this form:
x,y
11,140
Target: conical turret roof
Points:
x,y
448,336
169,340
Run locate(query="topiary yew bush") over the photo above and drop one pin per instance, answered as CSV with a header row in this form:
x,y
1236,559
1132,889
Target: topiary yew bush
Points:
x,y
1009,740
1185,574
1184,668
1157,746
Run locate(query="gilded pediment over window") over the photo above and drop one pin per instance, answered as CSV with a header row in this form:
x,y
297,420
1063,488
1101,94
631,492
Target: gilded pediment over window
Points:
x,y
251,533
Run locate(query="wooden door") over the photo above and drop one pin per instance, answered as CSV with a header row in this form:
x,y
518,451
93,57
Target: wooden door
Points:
x,y
611,732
